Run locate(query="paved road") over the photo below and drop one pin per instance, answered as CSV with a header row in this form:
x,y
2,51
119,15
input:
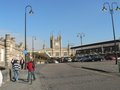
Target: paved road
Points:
x,y
66,76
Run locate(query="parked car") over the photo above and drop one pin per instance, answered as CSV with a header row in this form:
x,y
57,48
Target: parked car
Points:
x,y
87,58
110,57
55,61
67,59
97,57
77,59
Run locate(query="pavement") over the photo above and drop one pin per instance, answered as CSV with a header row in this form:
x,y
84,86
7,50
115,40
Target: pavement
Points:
x,y
22,83
108,67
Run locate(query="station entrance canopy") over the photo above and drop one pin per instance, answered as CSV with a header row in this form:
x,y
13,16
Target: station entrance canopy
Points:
x,y
44,54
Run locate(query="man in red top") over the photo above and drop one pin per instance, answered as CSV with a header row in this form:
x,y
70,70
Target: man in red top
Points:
x,y
31,69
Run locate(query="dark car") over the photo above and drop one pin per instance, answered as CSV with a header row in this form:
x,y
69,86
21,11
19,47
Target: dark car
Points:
x,y
110,57
67,59
97,57
77,59
86,58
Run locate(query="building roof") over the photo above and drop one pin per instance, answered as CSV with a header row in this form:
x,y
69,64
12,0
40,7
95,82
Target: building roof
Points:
x,y
93,44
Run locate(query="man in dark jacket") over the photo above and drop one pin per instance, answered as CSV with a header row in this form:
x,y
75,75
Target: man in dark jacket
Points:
x,y
22,62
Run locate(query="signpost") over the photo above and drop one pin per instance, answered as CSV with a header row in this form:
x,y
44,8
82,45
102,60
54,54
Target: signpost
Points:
x,y
25,52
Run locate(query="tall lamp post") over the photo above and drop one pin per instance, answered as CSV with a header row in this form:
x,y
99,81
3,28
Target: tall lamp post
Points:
x,y
69,50
33,38
30,12
81,35
111,10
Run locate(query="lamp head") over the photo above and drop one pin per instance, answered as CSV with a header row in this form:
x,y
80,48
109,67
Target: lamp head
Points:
x,y
104,8
117,8
31,11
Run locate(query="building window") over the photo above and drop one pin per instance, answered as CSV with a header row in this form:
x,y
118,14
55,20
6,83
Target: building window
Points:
x,y
65,53
57,53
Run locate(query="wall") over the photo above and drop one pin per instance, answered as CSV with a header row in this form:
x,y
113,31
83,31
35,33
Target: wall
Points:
x,y
9,50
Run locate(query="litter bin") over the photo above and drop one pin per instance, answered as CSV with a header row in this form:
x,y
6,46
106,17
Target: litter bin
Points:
x,y
119,65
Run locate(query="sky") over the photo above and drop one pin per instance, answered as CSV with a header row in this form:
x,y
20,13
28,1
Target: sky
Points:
x,y
65,17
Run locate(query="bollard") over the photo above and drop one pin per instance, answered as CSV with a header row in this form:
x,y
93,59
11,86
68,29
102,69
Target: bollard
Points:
x,y
119,65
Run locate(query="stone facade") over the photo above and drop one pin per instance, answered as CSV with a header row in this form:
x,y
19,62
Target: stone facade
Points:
x,y
9,50
56,49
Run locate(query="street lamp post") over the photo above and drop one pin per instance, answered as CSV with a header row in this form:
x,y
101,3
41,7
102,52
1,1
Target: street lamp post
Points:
x,y
69,50
30,12
111,10
81,35
33,38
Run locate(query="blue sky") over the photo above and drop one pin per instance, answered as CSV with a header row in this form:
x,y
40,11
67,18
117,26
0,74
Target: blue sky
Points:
x,y
65,17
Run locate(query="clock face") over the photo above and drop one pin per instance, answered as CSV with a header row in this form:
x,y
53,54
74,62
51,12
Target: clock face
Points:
x,y
56,44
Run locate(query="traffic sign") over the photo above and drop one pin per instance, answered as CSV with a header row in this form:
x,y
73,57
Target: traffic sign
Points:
x,y
25,52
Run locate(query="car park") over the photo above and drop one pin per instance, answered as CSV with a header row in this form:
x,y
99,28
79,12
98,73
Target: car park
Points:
x,y
97,57
77,59
86,58
109,57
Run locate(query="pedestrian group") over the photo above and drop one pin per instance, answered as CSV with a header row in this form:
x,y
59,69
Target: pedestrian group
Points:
x,y
18,65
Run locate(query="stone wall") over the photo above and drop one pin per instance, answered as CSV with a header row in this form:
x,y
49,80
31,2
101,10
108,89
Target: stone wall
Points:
x,y
9,50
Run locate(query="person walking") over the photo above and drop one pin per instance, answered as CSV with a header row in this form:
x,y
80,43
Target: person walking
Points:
x,y
22,62
16,69
12,61
11,74
31,69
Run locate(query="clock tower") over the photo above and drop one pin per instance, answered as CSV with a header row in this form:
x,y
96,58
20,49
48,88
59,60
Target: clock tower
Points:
x,y
55,43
